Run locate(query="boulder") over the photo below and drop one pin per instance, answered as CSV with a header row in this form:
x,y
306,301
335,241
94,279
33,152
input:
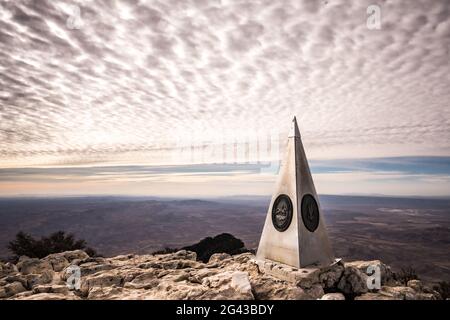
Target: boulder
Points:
x,y
387,276
60,289
375,296
33,265
49,296
427,296
7,269
107,293
57,261
333,296
92,268
268,288
184,255
352,282
75,254
229,286
243,257
315,292
168,290
217,257
15,278
240,282
171,264
329,277
399,293
104,279
39,279
416,285
11,289
21,295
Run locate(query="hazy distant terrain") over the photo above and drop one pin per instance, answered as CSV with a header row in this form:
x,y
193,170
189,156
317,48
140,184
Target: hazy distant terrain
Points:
x,y
400,232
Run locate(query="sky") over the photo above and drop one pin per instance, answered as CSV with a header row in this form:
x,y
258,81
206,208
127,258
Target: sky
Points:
x,y
195,98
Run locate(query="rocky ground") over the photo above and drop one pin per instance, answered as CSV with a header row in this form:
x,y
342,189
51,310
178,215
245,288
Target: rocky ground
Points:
x,y
180,276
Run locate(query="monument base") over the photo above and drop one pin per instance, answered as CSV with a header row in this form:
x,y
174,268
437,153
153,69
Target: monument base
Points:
x,y
302,277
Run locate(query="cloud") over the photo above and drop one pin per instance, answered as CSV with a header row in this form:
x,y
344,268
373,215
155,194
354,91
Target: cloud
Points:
x,y
139,75
406,176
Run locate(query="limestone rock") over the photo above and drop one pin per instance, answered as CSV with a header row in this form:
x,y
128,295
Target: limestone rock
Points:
x,y
57,261
92,268
229,286
329,277
11,289
315,292
269,288
241,283
7,269
184,254
15,278
399,293
106,279
243,257
353,281
49,296
333,296
416,285
427,296
110,293
60,289
33,265
179,276
21,295
375,296
75,254
387,276
38,279
217,257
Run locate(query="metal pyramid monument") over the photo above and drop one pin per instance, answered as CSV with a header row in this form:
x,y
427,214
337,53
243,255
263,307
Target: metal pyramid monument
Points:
x,y
294,232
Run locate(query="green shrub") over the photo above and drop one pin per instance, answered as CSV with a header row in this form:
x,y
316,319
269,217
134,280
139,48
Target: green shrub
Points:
x,y
222,243
406,274
25,245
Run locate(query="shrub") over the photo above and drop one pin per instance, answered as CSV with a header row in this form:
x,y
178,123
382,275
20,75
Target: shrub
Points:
x,y
444,289
406,274
25,245
222,243
166,250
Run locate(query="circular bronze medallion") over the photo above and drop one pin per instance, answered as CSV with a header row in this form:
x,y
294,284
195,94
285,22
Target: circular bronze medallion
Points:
x,y
310,212
282,212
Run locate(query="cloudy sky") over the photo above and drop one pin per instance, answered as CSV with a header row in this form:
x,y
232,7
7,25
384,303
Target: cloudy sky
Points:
x,y
195,98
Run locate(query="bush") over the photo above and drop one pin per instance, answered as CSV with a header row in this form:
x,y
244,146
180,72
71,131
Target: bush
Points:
x,y
222,243
166,250
405,275
26,245
444,289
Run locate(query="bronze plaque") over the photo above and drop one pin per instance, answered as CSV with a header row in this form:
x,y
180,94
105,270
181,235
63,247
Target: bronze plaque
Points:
x,y
282,212
310,212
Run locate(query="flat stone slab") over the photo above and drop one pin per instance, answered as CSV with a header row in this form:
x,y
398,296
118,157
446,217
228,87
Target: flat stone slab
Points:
x,y
298,276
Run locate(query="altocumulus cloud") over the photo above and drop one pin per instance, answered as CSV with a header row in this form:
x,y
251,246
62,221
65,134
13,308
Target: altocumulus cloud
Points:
x,y
135,77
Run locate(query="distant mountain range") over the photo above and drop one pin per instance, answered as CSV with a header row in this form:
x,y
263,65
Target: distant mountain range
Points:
x,y
399,231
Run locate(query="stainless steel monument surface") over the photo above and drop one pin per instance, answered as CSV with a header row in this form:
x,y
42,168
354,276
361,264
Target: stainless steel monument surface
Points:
x,y
294,232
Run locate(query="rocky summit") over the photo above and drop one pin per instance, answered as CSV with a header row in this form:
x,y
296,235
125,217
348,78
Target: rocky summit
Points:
x,y
73,275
